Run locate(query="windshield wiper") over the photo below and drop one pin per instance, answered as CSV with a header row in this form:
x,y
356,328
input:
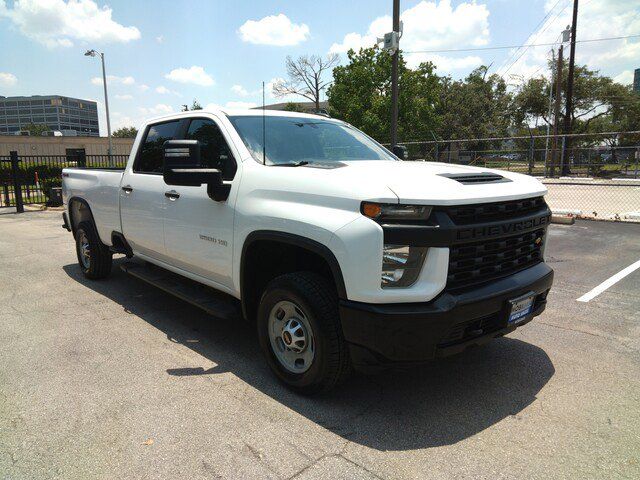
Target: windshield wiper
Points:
x,y
301,163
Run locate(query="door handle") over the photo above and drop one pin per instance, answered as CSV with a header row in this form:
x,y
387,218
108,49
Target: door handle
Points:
x,y
127,189
172,195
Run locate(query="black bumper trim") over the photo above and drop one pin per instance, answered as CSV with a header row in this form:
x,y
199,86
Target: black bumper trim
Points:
x,y
415,332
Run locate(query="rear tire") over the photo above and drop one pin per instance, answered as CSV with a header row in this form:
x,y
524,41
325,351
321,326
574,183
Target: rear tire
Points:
x,y
94,257
300,332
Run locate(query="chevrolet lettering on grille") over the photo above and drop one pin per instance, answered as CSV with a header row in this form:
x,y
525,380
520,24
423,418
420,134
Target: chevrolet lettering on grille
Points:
x,y
476,233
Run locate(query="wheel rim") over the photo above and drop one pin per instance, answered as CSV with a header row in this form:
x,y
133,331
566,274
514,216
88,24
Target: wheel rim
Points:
x,y
84,250
291,337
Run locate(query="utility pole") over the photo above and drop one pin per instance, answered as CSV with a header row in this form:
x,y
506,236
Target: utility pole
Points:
x,y
556,121
567,116
394,77
546,142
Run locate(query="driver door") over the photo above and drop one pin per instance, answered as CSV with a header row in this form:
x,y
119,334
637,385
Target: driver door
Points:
x,y
198,231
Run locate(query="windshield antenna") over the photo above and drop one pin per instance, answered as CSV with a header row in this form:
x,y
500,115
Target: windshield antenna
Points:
x,y
264,135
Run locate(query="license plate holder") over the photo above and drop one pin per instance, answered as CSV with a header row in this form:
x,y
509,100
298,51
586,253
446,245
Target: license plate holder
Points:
x,y
520,308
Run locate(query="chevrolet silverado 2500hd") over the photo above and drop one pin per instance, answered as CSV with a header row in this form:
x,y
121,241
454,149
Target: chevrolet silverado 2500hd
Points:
x,y
340,252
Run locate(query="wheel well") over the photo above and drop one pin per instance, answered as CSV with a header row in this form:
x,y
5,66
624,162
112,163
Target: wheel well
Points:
x,y
265,259
79,211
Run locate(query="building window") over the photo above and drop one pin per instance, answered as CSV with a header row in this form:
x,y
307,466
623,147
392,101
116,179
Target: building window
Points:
x,y
56,101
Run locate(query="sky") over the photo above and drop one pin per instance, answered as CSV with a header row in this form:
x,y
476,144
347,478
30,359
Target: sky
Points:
x,y
163,54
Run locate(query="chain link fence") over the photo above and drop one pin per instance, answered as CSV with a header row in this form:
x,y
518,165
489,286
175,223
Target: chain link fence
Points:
x,y
596,176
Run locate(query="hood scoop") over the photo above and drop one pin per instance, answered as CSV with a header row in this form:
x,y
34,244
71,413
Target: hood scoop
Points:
x,y
475,178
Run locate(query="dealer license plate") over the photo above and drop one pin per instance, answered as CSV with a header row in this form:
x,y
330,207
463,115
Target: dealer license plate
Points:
x,y
520,308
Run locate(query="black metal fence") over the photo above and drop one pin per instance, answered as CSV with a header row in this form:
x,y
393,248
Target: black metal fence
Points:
x,y
31,179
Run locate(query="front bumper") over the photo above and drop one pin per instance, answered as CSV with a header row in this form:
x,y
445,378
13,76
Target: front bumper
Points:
x,y
380,334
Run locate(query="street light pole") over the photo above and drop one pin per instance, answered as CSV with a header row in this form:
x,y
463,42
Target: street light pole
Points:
x,y
106,104
93,53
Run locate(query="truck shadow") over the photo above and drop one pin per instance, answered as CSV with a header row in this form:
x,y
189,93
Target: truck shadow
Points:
x,y
436,405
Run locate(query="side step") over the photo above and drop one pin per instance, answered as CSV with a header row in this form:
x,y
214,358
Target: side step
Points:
x,y
210,300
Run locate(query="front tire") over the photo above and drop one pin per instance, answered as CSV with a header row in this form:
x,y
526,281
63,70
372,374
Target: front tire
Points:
x,y
300,332
94,256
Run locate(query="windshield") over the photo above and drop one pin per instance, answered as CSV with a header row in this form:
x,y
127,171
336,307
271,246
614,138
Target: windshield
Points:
x,y
291,140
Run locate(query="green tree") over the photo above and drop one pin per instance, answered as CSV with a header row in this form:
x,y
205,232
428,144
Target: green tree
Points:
x,y
194,106
293,107
595,97
36,130
125,132
361,95
478,106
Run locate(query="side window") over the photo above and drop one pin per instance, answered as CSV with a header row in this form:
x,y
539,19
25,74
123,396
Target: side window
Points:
x,y
150,157
215,152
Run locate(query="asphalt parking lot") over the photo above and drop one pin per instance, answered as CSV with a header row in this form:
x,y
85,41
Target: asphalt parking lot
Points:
x,y
115,379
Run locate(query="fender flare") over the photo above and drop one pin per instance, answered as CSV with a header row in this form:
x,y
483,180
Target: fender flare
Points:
x,y
303,242
71,219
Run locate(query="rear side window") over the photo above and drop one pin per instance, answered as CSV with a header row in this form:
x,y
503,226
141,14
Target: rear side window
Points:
x,y
214,150
150,157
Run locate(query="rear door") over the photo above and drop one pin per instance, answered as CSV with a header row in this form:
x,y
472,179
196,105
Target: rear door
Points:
x,y
142,193
198,231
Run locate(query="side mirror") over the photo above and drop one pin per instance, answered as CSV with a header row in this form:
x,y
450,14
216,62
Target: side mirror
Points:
x,y
400,151
182,166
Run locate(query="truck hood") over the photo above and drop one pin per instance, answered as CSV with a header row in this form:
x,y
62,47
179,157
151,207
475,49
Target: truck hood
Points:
x,y
440,183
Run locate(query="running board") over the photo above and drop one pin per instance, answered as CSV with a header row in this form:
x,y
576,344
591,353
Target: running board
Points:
x,y
208,299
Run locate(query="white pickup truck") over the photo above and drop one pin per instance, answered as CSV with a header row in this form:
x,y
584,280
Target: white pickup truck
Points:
x,y
341,253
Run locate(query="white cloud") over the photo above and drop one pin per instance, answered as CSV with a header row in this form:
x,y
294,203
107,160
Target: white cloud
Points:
x,y
269,88
119,120
625,78
240,90
240,104
611,57
159,39
8,79
124,97
447,64
162,90
144,87
113,79
230,105
195,75
430,25
159,109
56,23
275,30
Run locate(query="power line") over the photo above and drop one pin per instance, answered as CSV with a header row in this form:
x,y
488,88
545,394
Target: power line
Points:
x,y
505,47
537,34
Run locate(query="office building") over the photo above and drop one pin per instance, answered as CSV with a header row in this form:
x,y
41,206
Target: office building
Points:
x,y
55,111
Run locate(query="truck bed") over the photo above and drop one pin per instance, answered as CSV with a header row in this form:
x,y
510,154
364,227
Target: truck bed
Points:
x,y
100,187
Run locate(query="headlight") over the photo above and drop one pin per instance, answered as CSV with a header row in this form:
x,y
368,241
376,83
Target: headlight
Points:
x,y
381,212
401,265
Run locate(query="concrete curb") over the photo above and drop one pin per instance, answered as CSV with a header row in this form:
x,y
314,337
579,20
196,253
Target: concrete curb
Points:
x,y
563,219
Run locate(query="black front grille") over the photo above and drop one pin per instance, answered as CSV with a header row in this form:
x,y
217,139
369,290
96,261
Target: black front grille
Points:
x,y
486,212
480,262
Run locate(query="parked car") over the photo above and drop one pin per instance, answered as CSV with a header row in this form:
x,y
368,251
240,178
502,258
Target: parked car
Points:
x,y
340,253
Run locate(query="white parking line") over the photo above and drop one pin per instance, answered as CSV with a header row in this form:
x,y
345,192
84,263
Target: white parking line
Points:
x,y
609,282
